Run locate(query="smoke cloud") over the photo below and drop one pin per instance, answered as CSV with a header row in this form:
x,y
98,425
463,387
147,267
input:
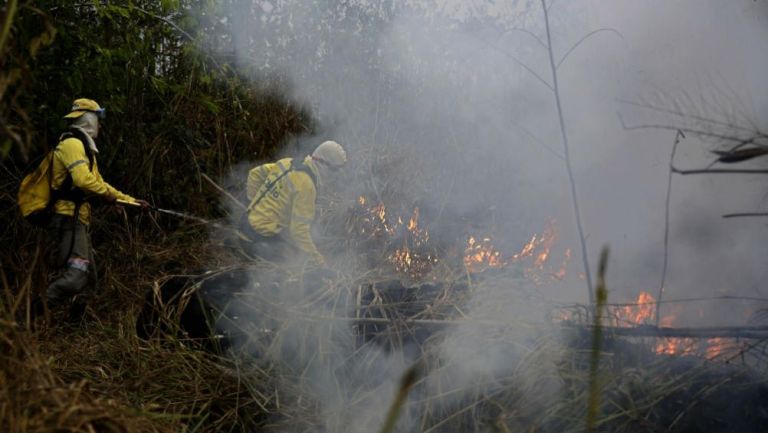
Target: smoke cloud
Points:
x,y
450,103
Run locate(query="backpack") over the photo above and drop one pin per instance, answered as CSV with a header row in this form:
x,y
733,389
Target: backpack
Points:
x,y
36,195
271,186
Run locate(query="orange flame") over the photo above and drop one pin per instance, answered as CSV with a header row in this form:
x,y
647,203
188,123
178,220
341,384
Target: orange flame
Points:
x,y
481,255
413,223
642,312
676,346
409,259
716,347
709,348
560,274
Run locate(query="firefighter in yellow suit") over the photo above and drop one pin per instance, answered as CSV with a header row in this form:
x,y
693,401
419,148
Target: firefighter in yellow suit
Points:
x,y
75,180
281,206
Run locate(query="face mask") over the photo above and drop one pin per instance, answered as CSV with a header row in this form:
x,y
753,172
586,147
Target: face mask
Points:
x,y
88,123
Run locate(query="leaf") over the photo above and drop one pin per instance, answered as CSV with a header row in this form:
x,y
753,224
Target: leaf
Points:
x,y
5,149
208,103
169,5
740,155
158,82
122,11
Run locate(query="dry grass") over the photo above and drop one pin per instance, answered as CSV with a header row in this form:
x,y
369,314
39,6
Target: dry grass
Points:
x,y
328,356
99,376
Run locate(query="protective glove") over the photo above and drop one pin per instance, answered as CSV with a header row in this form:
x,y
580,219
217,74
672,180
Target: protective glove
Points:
x,y
145,206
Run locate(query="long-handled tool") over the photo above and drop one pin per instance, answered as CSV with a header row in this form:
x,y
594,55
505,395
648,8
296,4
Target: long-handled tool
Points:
x,y
172,212
188,217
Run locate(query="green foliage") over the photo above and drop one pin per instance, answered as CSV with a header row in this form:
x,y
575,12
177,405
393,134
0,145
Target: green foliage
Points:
x,y
172,108
174,112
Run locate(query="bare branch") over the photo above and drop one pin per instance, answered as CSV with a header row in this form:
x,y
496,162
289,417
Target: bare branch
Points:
x,y
739,155
717,171
519,62
223,191
693,131
745,214
680,113
527,32
569,169
678,136
584,38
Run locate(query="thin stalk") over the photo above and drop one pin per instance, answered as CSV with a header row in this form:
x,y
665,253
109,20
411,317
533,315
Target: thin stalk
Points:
x,y
678,136
406,383
571,179
593,403
10,13
223,191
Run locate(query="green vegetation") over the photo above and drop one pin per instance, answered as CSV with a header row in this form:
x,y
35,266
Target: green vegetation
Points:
x,y
173,114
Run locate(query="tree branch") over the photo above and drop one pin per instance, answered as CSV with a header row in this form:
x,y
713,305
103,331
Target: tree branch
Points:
x,y
519,62
679,113
717,171
678,136
700,132
584,38
527,32
569,169
745,214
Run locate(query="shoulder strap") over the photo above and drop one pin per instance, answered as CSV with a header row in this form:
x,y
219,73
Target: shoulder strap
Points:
x,y
304,168
80,135
65,190
269,187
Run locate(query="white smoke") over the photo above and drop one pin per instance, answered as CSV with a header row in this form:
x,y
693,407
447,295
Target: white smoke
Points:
x,y
456,94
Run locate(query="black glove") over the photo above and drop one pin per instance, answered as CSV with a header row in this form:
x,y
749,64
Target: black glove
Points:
x,y
145,206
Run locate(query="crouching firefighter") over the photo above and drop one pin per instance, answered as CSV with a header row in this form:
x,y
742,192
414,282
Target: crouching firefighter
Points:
x,y
73,179
281,207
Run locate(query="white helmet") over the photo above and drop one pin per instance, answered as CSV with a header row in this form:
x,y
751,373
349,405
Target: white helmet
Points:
x,y
330,153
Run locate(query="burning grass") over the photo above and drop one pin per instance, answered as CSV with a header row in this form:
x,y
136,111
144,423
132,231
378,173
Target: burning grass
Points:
x,y
315,357
312,353
483,362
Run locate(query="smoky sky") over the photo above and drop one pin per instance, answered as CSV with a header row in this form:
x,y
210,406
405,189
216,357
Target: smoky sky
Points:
x,y
450,102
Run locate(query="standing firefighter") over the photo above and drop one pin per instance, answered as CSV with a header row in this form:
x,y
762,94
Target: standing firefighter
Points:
x,y
282,203
74,180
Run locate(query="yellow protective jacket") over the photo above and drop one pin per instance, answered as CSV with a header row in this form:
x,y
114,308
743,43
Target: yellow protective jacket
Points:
x,y
288,209
69,157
